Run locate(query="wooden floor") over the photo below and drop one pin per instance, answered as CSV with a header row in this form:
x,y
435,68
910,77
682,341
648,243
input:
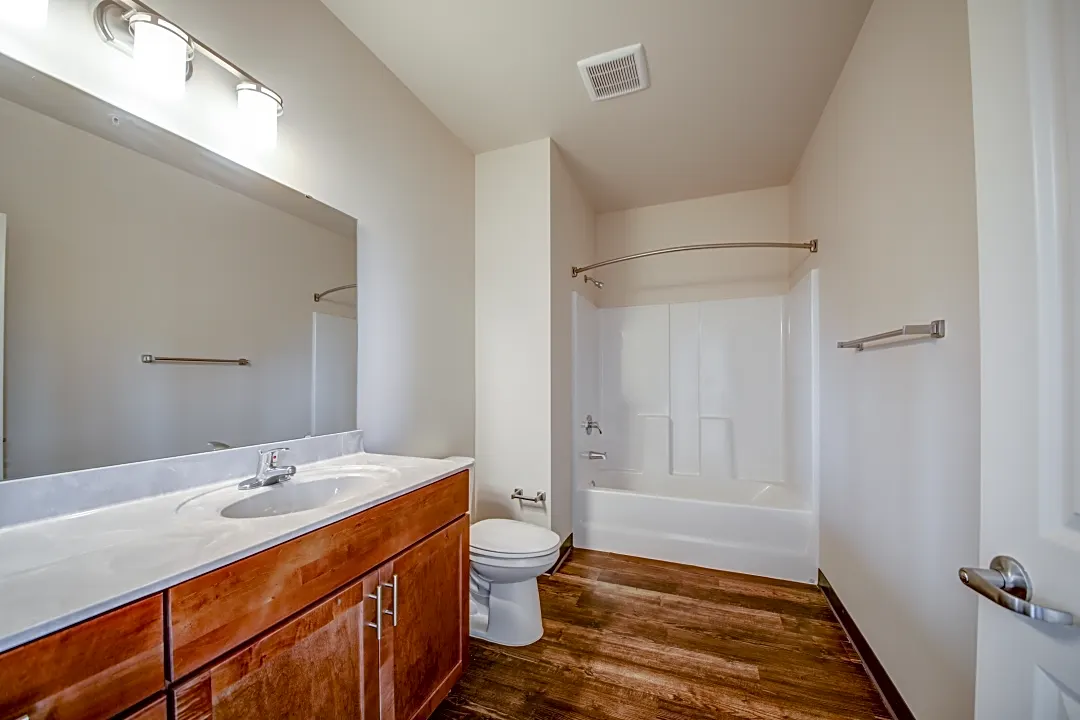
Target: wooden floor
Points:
x,y
639,639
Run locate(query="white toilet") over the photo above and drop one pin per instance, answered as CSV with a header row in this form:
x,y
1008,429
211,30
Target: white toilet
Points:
x,y
506,557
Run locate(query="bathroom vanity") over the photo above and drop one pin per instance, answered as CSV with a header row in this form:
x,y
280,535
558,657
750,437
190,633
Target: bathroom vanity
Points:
x,y
362,612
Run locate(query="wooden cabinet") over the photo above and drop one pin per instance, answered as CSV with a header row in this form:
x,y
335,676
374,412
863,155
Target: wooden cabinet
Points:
x,y
330,662
155,711
221,610
425,639
365,618
321,664
96,669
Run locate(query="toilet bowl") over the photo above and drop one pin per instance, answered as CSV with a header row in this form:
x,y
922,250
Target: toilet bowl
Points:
x,y
506,557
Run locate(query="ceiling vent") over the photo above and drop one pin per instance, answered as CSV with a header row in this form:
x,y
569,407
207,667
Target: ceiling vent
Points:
x,y
619,72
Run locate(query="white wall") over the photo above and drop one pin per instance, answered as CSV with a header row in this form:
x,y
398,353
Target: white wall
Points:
x,y
354,137
755,216
573,242
887,184
532,225
113,255
513,330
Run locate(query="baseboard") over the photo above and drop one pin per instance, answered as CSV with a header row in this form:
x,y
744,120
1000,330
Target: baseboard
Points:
x,y
889,692
565,550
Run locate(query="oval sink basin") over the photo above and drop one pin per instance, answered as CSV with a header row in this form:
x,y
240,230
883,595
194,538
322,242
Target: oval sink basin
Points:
x,y
290,497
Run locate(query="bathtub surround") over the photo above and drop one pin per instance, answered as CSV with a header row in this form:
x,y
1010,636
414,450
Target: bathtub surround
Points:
x,y
357,139
709,444
888,185
532,225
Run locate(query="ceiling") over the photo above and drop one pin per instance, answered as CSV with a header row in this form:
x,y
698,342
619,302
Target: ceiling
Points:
x,y
737,85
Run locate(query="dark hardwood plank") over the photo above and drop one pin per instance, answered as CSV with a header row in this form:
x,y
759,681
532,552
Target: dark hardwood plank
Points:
x,y
95,669
633,639
219,611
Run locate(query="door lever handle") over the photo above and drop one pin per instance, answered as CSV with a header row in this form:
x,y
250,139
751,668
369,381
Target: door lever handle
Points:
x,y
1009,585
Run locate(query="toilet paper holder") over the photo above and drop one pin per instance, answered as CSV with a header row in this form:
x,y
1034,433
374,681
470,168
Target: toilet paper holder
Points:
x,y
519,494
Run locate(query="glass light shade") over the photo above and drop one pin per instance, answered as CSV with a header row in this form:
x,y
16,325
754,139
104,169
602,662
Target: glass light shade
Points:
x,y
258,108
161,55
29,14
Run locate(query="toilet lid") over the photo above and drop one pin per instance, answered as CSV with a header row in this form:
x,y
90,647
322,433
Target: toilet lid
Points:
x,y
512,537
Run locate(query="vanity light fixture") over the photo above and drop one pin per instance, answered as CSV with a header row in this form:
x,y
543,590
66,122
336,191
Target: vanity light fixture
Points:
x,y
162,52
165,54
259,108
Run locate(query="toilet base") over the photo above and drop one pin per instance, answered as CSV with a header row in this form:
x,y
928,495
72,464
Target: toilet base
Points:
x,y
511,615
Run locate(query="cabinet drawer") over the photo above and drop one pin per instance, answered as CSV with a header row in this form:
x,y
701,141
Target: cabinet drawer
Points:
x,y
217,612
96,669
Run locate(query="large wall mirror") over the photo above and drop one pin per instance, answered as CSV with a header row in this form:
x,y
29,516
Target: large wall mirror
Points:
x,y
123,241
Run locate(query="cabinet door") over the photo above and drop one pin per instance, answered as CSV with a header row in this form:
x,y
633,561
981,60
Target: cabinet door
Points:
x,y
425,639
321,664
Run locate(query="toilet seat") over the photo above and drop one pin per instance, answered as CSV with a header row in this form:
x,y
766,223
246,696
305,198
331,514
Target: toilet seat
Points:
x,y
511,540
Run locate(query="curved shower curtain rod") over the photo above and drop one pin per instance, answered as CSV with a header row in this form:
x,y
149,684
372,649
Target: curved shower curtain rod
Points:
x,y
324,293
811,246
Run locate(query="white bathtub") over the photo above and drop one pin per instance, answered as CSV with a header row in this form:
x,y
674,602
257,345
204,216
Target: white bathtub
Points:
x,y
746,527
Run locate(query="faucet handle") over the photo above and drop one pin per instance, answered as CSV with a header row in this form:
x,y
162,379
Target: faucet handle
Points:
x,y
268,459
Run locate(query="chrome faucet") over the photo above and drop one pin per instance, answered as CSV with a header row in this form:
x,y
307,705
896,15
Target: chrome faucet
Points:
x,y
269,473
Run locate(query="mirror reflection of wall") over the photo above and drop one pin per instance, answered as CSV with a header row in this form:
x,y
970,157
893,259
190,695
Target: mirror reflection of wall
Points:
x,y
112,255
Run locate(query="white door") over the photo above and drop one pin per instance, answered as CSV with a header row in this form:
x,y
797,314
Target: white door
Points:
x,y
1026,90
333,374
3,274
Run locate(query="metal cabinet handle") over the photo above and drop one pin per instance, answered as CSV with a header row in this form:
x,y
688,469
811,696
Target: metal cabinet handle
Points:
x,y
377,597
392,613
1009,585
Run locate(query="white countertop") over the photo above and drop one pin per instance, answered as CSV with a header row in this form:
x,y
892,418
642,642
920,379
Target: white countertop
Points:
x,y
61,571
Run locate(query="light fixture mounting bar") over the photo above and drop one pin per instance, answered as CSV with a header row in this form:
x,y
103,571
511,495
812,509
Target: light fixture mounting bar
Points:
x,y
126,7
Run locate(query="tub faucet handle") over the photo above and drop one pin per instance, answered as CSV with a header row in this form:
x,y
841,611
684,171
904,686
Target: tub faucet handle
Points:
x,y
589,425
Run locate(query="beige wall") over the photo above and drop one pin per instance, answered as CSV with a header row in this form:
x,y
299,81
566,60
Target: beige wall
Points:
x,y
354,137
513,330
532,225
573,240
112,255
755,216
887,184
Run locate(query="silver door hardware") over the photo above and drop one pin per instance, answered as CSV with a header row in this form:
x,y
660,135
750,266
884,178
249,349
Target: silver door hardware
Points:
x,y
519,494
1009,585
593,455
589,425
392,613
935,329
377,597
